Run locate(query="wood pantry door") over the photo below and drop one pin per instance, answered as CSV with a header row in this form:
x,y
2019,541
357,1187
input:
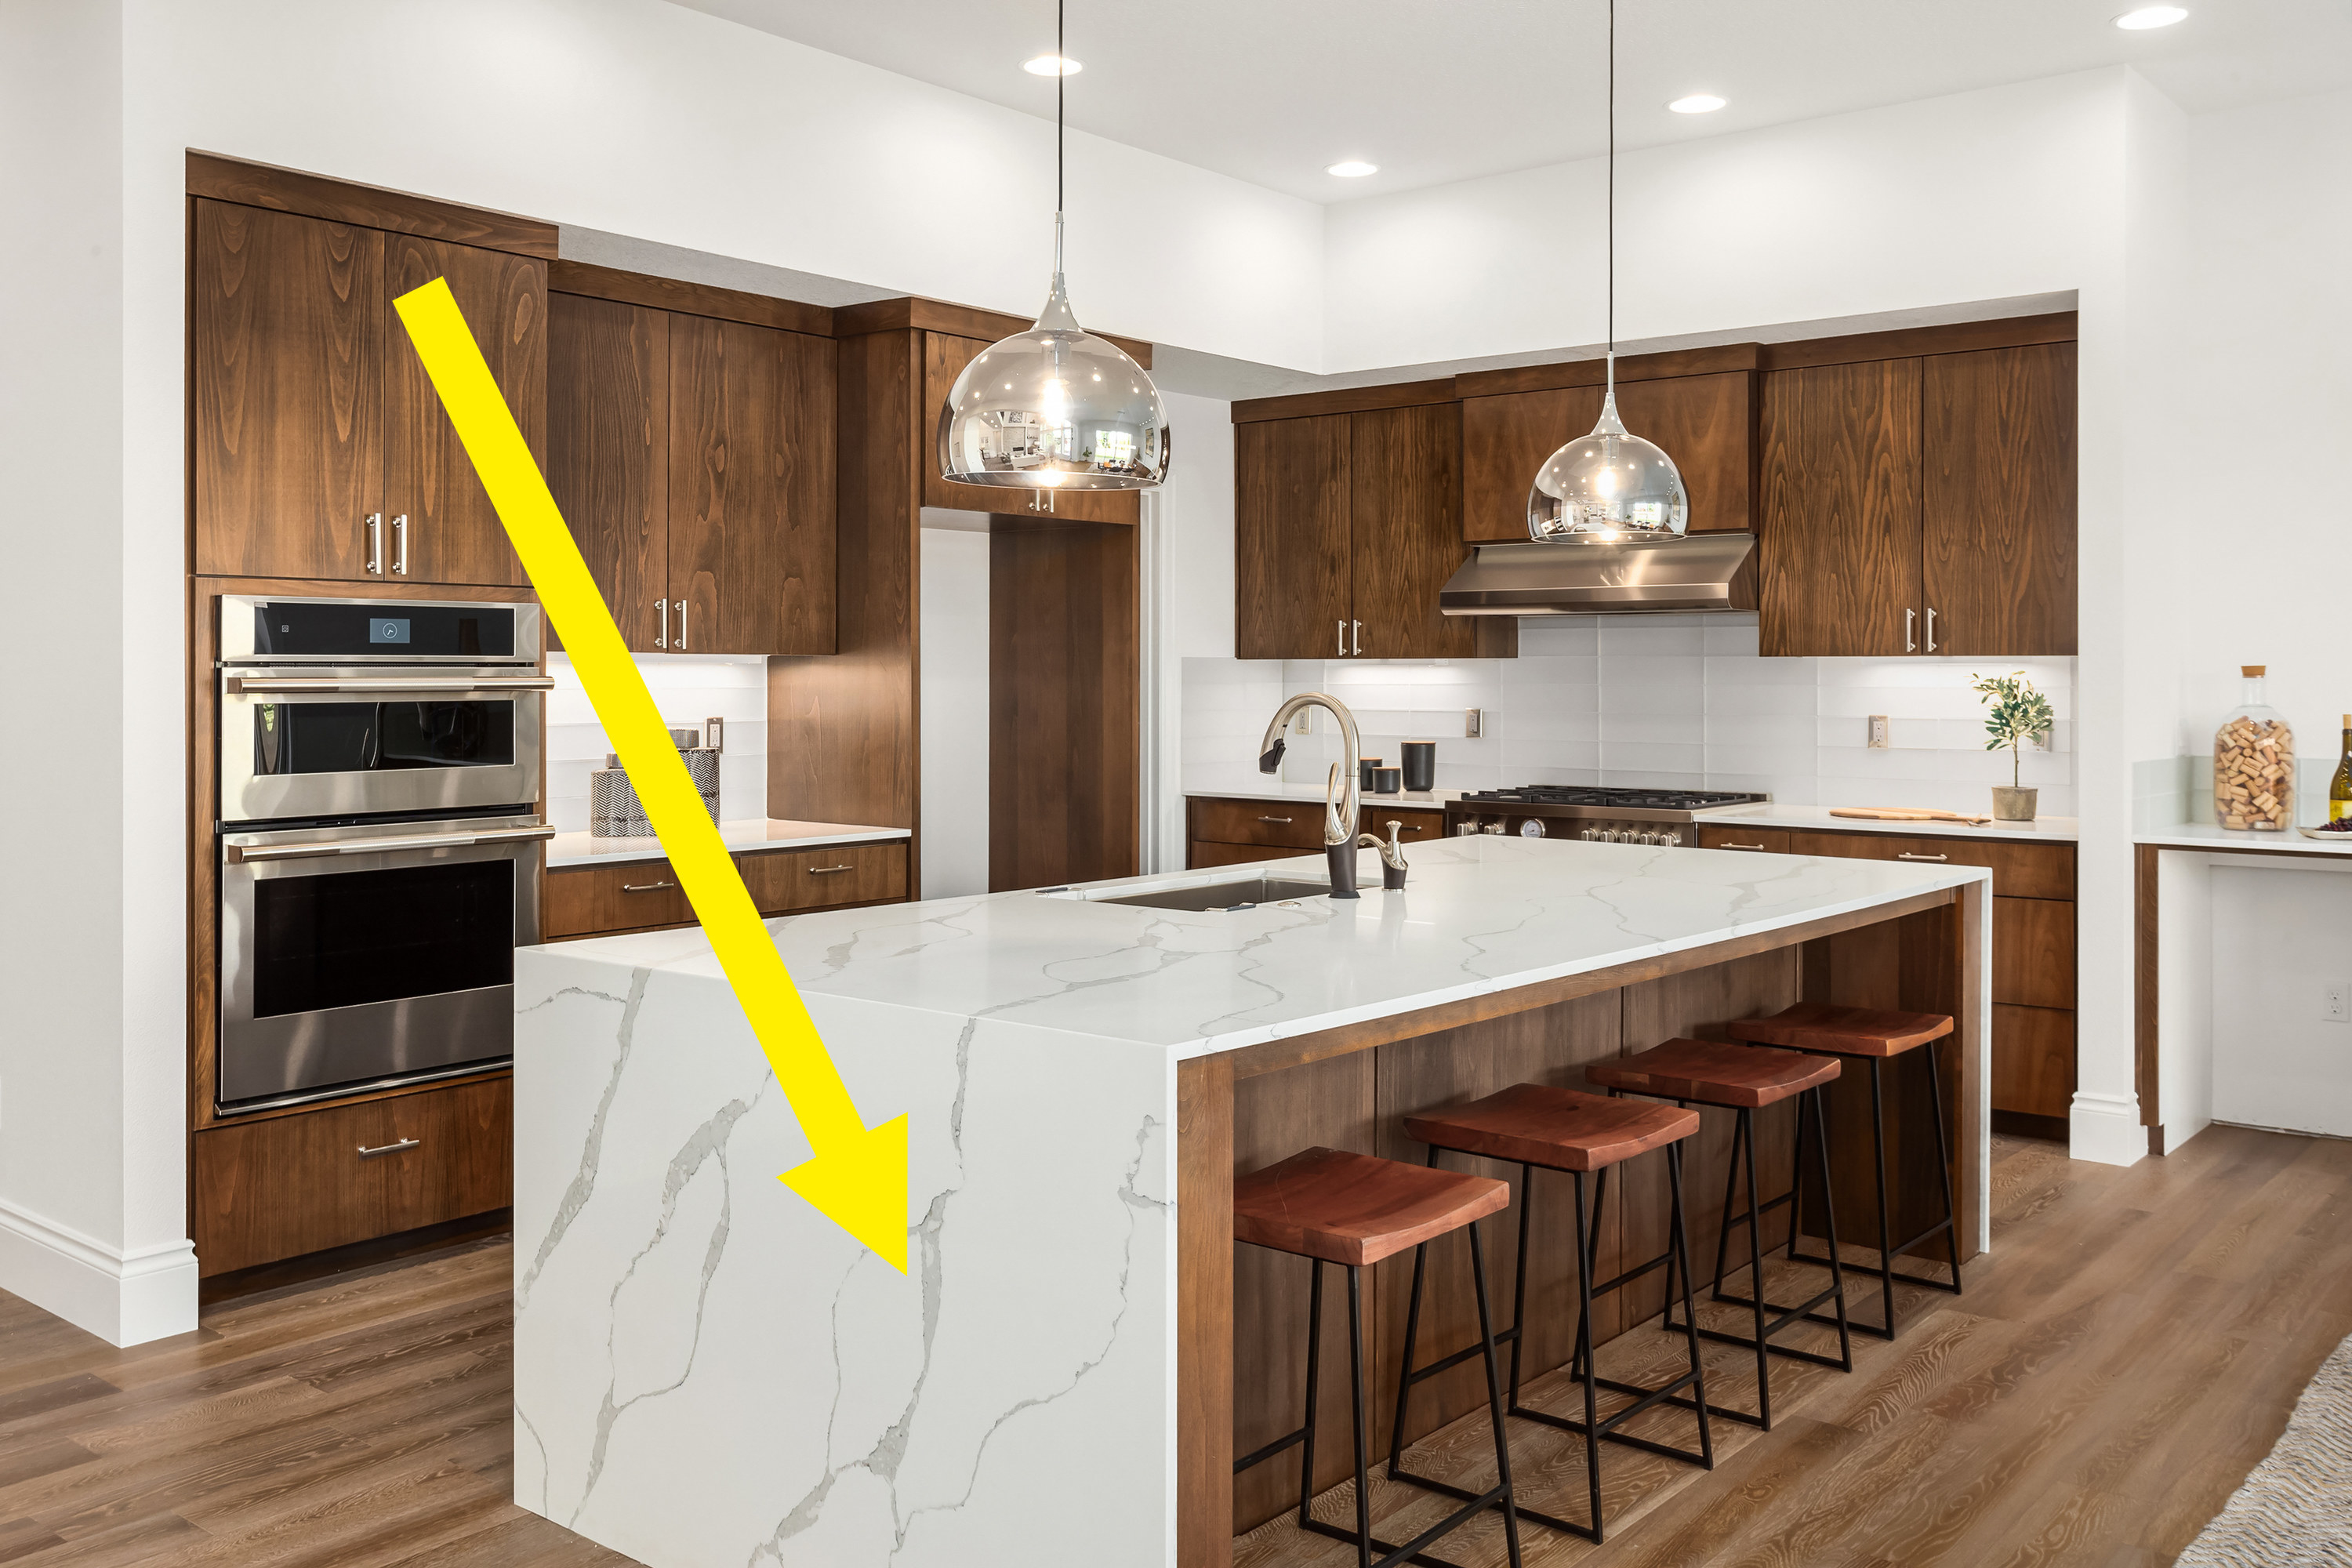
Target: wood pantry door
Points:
x,y
1293,593
1998,520
1841,508
286,319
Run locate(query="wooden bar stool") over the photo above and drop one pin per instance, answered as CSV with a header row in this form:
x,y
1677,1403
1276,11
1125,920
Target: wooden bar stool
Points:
x,y
1332,1207
1874,1037
1745,1079
1534,1125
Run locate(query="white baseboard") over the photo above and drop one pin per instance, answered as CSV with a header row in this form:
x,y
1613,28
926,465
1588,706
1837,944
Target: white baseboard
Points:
x,y
2105,1129
123,1297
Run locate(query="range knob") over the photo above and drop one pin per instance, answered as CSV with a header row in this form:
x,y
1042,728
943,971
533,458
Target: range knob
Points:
x,y
1494,827
1670,840
1592,835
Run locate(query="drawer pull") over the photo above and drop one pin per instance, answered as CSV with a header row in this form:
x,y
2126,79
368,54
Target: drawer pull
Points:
x,y
402,1147
1906,854
1281,819
828,870
1742,847
645,887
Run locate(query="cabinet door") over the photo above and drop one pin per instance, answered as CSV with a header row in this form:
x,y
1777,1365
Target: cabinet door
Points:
x,y
1706,424
1405,487
752,528
453,535
608,449
944,357
1997,519
1840,534
287,371
1505,440
1293,592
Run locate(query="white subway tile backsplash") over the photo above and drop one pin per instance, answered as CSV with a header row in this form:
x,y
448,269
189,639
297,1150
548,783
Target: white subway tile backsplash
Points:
x,y
688,691
1670,701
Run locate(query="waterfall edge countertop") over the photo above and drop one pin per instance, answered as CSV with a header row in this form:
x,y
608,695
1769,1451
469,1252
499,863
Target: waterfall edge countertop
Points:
x,y
709,1372
742,833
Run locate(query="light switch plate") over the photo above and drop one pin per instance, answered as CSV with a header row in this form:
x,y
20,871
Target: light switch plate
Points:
x,y
1878,731
1471,722
714,734
1303,721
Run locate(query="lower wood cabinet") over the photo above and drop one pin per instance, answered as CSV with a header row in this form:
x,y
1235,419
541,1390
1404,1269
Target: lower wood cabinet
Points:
x,y
1232,831
281,1187
641,895
1755,840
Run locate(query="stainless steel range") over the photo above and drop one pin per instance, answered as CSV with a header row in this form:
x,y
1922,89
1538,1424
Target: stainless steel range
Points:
x,y
1592,811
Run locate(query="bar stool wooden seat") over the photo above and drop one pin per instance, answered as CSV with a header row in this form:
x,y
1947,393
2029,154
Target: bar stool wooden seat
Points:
x,y
1744,1080
1874,1036
1583,1134
1332,1207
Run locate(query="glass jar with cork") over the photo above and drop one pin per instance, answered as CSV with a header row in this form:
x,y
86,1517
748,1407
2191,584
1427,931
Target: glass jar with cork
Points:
x,y
2253,763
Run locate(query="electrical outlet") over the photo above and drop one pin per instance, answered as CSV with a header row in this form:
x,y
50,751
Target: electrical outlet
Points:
x,y
1303,721
714,734
1878,731
1472,722
2333,1010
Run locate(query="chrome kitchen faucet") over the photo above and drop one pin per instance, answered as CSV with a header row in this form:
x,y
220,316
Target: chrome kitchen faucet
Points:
x,y
1340,800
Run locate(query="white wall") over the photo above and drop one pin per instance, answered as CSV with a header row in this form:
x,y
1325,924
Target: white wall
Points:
x,y
2277,944
953,692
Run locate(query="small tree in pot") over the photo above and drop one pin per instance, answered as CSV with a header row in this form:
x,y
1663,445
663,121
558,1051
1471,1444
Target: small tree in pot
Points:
x,y
2019,715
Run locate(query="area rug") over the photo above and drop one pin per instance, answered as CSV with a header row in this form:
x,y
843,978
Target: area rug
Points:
x,y
2296,1510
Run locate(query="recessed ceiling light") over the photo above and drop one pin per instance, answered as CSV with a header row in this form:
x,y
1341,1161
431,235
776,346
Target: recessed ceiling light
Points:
x,y
1697,104
1352,169
2148,16
1051,64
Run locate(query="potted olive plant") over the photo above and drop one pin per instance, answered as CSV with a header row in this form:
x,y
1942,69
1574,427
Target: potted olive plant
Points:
x,y
2019,715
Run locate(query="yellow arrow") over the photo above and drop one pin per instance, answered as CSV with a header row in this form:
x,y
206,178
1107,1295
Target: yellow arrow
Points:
x,y
856,1175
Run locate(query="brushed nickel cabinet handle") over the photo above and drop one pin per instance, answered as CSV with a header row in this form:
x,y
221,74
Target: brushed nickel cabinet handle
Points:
x,y
375,545
1342,627
661,638
828,870
1282,819
1740,846
1906,854
1358,634
1931,628
645,887
1910,619
400,1147
399,544
681,625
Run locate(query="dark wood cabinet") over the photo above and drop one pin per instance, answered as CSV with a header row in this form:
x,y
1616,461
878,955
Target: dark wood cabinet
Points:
x,y
321,449
642,895
750,488
1225,832
694,460
1921,505
1998,509
1840,533
1705,423
1346,527
944,356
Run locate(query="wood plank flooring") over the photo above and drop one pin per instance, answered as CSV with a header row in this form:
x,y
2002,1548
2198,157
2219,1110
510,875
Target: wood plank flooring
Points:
x,y
2121,1359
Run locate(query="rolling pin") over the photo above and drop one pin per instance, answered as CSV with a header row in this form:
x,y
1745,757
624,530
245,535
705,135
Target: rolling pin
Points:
x,y
1906,814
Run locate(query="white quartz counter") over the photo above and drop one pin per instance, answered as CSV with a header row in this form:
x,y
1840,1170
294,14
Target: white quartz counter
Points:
x,y
747,833
2209,835
1817,820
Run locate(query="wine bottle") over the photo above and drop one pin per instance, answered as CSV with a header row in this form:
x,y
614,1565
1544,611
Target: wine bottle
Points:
x,y
2339,789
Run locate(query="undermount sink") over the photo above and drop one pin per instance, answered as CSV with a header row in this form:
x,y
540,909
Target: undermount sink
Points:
x,y
1240,894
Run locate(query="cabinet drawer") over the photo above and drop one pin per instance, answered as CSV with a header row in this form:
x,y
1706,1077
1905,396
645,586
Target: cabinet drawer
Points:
x,y
1292,823
2034,952
1419,826
1203,856
582,900
1850,846
2018,871
290,1185
784,881
2033,1060
1771,840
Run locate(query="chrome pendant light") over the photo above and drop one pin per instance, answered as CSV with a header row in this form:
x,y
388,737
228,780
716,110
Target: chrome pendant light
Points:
x,y
1055,407
1610,486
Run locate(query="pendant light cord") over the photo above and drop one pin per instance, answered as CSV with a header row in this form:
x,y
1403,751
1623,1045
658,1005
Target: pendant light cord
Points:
x,y
1613,185
1060,77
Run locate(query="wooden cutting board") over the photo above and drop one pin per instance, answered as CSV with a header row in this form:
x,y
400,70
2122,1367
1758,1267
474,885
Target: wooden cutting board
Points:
x,y
1905,814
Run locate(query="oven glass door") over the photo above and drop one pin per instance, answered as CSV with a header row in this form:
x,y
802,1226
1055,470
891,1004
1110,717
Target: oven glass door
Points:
x,y
364,746
342,970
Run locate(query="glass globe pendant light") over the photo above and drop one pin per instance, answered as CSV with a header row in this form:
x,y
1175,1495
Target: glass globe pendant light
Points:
x,y
1610,486
1055,407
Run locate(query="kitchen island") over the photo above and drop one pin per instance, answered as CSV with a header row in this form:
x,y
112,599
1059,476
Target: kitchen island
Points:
x,y
709,1372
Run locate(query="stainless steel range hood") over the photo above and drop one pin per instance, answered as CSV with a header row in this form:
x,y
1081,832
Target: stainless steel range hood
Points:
x,y
1698,572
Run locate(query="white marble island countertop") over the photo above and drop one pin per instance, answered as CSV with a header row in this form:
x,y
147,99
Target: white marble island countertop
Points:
x,y
709,1373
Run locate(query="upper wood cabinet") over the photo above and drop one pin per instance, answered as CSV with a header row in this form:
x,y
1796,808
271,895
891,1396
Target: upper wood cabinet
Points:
x,y
319,449
1705,423
1346,526
693,458
1921,505
944,356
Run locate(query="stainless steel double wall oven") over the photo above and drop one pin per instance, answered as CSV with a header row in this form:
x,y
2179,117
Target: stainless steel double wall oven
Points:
x,y
379,838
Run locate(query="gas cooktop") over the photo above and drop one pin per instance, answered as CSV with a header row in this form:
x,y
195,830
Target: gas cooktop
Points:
x,y
1611,799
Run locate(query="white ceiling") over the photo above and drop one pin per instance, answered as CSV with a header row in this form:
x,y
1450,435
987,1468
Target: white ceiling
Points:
x,y
1433,90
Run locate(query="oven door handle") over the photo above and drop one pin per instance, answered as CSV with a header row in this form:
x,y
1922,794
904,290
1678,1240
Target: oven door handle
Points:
x,y
239,854
289,685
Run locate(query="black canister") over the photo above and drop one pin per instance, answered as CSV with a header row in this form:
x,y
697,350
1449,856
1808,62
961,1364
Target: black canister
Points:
x,y
1384,781
1364,767
1420,765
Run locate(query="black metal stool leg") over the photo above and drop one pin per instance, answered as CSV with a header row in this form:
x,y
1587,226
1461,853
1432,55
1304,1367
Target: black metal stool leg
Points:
x,y
1494,1399
1723,1232
1519,1278
1837,1268
1356,1398
1681,1245
1885,1222
1944,1164
1405,1380
1314,1380
1583,1354
1756,1273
